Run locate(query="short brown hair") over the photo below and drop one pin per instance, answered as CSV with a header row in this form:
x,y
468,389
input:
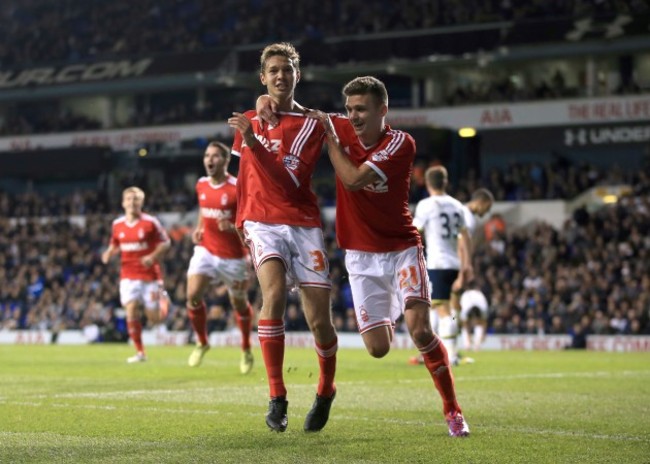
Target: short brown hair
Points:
x,y
280,49
220,146
367,85
436,177
483,195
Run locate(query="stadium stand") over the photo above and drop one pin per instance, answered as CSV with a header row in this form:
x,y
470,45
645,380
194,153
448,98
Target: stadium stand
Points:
x,y
590,276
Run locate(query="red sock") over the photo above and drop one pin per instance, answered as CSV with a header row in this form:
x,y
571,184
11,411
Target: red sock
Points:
x,y
244,324
135,332
327,361
198,317
437,362
271,334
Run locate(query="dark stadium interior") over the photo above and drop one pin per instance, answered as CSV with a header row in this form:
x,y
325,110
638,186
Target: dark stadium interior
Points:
x,y
590,276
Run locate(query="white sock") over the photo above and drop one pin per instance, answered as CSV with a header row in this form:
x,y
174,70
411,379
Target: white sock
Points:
x,y
448,331
467,343
433,317
478,336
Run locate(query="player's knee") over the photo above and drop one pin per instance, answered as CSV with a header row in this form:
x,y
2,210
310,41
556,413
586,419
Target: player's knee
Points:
x,y
321,328
378,351
421,335
275,295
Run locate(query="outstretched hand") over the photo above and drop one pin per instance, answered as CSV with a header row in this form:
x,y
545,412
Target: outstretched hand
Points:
x,y
240,122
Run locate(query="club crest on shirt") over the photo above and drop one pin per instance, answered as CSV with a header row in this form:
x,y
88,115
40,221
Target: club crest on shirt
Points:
x,y
224,199
140,234
291,162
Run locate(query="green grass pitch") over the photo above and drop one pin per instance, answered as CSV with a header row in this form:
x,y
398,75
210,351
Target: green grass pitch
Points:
x,y
86,404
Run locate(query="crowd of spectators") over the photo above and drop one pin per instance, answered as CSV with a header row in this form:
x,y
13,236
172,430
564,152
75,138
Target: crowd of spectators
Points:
x,y
41,31
518,181
510,89
53,279
593,276
521,181
17,122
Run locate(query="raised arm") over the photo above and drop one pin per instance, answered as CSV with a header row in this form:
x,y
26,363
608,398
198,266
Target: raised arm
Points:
x,y
352,177
465,254
273,167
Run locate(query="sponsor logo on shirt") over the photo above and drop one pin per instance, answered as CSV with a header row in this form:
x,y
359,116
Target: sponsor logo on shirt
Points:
x,y
381,155
378,186
133,246
216,213
273,145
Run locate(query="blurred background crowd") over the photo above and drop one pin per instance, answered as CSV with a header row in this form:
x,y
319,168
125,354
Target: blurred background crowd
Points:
x,y
40,33
589,276
593,275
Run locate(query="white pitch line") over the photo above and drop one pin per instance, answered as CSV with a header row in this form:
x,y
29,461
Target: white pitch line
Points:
x,y
356,418
125,394
482,378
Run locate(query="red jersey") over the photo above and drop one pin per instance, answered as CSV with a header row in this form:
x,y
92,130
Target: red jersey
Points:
x,y
218,202
274,180
376,218
135,240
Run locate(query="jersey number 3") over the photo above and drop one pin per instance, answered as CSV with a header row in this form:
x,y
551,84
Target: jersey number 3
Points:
x,y
318,259
449,229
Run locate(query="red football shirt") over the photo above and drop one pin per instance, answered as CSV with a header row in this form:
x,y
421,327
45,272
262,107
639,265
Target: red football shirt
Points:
x,y
376,218
135,240
218,202
274,182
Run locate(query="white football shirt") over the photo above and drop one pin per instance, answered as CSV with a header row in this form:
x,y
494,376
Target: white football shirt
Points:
x,y
441,218
470,220
473,299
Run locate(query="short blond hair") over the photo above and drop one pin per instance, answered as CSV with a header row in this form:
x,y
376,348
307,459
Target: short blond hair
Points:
x,y
280,49
133,189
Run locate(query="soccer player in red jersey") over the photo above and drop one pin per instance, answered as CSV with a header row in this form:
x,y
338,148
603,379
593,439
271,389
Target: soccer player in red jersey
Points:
x,y
280,219
219,254
142,241
384,255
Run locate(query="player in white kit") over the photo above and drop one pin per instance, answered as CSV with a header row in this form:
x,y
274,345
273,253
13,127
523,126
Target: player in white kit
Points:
x,y
440,218
473,317
478,206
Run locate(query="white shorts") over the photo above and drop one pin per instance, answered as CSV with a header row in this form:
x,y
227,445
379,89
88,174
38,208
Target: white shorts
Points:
x,y
301,249
144,292
233,272
382,283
